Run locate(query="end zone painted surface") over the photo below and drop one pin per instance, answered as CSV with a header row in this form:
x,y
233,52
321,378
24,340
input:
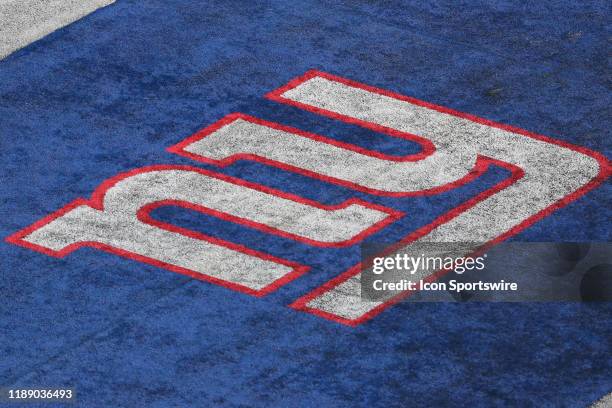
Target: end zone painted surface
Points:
x,y
110,92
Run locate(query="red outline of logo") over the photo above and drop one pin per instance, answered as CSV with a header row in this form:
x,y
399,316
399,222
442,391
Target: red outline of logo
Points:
x,y
276,95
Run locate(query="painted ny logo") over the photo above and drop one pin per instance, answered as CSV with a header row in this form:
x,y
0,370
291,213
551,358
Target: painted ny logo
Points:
x,y
455,149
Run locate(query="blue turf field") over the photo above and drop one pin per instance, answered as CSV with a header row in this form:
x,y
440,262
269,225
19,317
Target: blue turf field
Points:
x,y
111,92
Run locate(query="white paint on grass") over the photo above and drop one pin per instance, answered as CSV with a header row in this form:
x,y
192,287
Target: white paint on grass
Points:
x,y
119,226
25,21
551,171
605,402
241,136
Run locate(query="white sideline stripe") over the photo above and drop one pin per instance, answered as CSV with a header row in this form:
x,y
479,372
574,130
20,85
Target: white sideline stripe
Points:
x,y
604,402
24,21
